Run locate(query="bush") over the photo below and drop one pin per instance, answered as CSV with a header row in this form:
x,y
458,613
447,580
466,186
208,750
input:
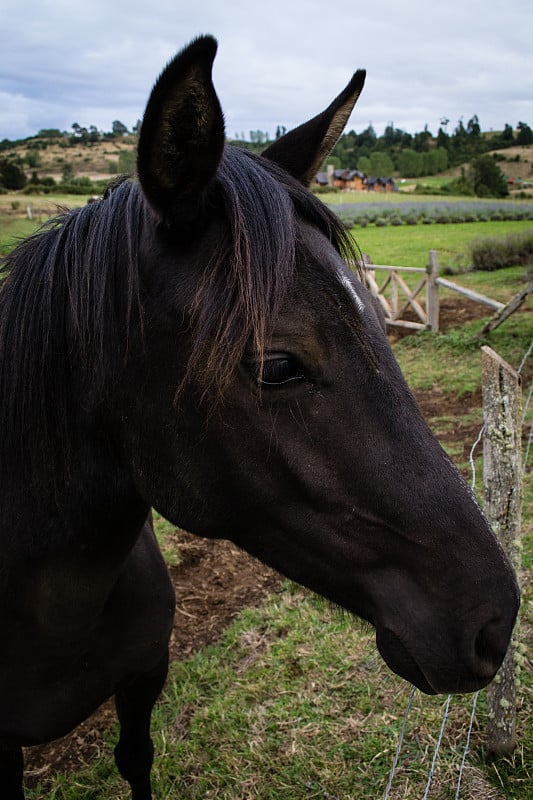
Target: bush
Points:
x,y
494,253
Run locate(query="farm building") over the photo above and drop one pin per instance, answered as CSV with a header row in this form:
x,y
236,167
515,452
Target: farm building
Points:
x,y
349,179
354,180
322,179
381,185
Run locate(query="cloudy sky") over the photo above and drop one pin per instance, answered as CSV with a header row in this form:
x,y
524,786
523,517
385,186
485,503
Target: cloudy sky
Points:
x,y
279,61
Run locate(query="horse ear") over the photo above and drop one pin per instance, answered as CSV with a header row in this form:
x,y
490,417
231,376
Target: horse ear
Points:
x,y
302,151
182,133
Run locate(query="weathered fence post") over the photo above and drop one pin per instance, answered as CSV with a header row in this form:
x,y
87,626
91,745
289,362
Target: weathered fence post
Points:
x,y
432,292
502,473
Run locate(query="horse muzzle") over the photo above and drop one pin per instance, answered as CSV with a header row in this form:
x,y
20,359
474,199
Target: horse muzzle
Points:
x,y
444,663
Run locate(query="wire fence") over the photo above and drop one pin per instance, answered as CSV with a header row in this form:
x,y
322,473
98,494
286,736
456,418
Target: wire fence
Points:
x,y
527,405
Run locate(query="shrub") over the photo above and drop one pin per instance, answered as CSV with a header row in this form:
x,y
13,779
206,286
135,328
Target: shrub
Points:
x,y
494,253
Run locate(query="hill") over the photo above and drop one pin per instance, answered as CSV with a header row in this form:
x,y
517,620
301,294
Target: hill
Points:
x,y
64,158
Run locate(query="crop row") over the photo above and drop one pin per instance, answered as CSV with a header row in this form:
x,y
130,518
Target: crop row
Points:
x,y
427,213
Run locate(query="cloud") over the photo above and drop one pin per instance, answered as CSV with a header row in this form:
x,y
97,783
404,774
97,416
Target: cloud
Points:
x,y
278,62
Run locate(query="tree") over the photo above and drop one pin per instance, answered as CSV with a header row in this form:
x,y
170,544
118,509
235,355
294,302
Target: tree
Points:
x,y
381,164
118,128
49,133
507,136
421,140
434,161
410,164
487,178
443,138
473,127
525,134
80,132
12,176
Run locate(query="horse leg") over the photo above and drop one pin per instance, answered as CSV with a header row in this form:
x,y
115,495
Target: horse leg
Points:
x,y
11,773
134,753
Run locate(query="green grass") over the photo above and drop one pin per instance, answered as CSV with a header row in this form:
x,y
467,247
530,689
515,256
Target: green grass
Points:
x,y
409,245
14,226
457,352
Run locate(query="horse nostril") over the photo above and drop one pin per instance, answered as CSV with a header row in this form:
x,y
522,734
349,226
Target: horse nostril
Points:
x,y
491,645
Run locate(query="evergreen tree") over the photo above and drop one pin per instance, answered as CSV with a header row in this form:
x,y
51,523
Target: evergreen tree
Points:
x,y
525,134
12,176
487,178
507,136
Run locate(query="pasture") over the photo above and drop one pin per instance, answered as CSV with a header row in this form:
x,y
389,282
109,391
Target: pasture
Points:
x,y
14,222
291,699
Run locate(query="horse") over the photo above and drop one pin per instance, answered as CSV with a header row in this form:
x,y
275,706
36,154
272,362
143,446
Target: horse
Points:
x,y
195,342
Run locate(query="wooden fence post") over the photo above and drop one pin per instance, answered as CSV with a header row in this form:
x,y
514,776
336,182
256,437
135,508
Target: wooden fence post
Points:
x,y
502,473
432,292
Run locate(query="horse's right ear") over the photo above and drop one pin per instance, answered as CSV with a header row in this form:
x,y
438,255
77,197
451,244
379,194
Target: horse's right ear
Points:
x,y
302,150
182,134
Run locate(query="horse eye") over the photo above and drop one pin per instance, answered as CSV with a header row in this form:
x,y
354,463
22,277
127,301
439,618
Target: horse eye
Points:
x,y
277,370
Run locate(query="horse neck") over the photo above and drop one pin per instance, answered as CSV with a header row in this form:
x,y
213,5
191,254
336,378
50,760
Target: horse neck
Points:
x,y
92,516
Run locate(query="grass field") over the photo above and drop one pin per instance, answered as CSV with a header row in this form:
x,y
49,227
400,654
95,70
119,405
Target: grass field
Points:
x,y
293,703
14,222
410,246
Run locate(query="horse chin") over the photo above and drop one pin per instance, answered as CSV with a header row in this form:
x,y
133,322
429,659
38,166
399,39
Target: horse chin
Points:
x,y
400,661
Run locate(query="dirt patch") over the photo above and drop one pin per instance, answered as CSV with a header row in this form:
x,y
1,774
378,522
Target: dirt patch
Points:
x,y
454,311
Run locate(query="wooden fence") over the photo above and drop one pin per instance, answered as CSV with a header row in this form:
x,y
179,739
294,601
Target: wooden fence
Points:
x,y
396,297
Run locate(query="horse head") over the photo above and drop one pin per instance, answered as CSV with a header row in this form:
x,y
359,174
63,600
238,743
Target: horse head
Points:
x,y
265,404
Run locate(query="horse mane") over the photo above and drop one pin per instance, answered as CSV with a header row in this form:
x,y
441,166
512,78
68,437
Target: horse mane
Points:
x,y
67,300
71,301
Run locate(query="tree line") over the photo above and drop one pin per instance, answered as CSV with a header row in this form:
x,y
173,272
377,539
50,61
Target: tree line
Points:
x,y
422,153
410,155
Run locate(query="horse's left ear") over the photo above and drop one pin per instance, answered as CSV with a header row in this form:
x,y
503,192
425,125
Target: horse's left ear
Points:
x,y
182,134
302,151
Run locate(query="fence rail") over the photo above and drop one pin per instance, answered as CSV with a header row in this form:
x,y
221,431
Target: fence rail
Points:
x,y
396,297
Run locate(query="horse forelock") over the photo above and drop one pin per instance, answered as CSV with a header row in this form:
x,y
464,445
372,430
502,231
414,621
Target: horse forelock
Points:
x,y
249,274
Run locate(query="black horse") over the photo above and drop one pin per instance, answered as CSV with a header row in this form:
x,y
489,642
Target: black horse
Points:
x,y
195,343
